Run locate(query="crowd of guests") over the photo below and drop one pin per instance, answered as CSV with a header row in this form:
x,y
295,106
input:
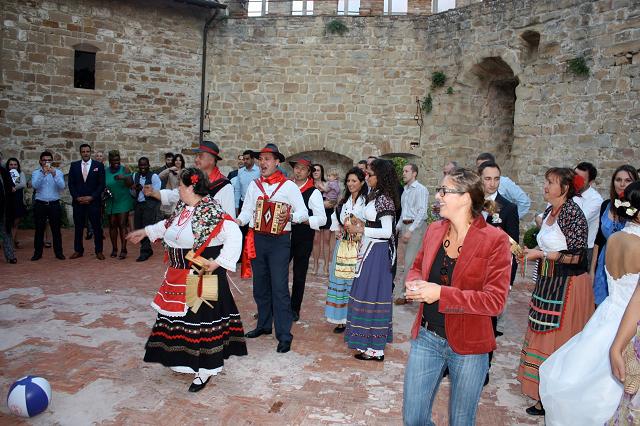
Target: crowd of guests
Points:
x,y
458,259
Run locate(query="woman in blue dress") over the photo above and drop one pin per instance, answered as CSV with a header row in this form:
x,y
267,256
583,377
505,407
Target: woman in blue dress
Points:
x,y
609,223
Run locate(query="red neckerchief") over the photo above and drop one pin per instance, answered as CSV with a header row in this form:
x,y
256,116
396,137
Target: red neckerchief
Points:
x,y
277,177
215,175
308,184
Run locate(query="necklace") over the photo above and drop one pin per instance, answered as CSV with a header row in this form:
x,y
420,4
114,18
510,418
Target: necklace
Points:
x,y
185,215
554,212
447,242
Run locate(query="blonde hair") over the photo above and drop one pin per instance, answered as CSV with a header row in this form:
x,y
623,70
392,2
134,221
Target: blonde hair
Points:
x,y
333,172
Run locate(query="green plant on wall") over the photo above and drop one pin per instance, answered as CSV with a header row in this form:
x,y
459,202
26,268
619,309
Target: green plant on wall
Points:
x,y
337,27
438,79
449,90
578,66
427,104
398,165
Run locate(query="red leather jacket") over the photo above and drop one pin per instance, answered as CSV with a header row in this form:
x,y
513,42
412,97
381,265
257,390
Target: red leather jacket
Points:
x,y
479,285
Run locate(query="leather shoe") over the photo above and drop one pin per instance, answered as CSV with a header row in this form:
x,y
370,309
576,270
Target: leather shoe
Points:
x,y
142,258
194,387
283,347
339,329
75,255
296,316
364,357
99,256
36,257
60,257
535,411
13,261
257,333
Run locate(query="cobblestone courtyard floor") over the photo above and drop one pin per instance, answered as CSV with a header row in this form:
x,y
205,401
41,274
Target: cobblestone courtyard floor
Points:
x,y
82,324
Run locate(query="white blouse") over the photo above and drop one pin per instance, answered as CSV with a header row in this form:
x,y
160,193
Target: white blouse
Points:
x,y
551,238
180,235
383,233
348,208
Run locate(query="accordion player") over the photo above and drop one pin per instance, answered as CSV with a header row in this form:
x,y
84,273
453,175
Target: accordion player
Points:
x,y
267,217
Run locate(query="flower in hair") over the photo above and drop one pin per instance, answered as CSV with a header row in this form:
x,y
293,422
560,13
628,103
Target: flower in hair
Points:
x,y
619,203
194,179
578,182
631,211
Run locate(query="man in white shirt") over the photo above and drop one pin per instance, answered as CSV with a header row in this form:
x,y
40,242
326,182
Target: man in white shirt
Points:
x,y
246,174
589,201
412,225
271,264
508,188
220,189
302,234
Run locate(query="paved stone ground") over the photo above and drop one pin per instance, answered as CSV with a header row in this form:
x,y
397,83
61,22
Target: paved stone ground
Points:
x,y
82,324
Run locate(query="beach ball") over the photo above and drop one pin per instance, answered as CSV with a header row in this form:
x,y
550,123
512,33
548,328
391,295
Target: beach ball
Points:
x,y
29,396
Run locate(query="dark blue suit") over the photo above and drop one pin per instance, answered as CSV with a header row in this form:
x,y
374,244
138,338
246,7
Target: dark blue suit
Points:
x,y
93,186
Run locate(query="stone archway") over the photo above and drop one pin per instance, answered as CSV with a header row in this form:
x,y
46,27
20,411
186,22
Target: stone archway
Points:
x,y
329,160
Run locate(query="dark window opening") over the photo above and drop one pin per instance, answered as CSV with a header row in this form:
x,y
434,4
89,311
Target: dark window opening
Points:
x,y
84,70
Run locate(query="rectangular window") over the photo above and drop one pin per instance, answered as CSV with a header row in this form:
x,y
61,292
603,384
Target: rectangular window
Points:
x,y
395,7
302,7
257,8
348,7
84,70
442,5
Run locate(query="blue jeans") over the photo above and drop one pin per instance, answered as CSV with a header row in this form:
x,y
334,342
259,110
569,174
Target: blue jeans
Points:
x,y
429,356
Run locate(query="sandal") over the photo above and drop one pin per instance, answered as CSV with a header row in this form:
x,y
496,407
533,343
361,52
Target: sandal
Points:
x,y
114,253
123,255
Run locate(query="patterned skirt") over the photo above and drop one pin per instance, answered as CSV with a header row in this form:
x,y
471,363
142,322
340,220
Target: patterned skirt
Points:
x,y
337,294
537,347
199,341
369,312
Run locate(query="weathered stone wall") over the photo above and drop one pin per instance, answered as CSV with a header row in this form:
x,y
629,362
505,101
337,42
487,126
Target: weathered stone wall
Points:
x,y
147,95
287,80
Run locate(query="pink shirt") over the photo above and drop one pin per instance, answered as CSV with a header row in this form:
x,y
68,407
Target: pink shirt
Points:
x,y
333,190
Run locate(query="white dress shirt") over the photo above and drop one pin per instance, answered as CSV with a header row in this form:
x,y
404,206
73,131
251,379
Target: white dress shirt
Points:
x,y
316,205
288,193
348,208
590,202
223,196
414,202
181,236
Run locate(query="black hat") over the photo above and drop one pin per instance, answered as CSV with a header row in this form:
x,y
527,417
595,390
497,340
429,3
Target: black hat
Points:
x,y
272,148
210,148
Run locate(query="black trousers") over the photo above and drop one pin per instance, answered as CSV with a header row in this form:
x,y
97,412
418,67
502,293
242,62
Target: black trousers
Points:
x,y
146,213
82,212
301,248
44,211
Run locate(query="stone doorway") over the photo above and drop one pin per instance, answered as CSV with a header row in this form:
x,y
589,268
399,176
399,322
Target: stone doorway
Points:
x,y
329,160
497,84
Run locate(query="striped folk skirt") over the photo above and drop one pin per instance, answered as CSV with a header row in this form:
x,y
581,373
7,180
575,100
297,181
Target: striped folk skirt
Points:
x,y
369,313
337,294
199,342
537,347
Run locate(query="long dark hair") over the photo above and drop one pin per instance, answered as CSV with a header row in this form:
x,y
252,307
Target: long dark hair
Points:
x,y
17,162
175,157
387,181
612,188
631,210
363,190
313,166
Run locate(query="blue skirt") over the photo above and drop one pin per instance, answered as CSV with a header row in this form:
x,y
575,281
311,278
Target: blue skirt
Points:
x,y
337,294
369,313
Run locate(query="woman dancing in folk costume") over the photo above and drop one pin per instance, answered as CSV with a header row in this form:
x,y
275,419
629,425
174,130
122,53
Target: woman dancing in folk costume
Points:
x,y
576,384
186,341
369,313
351,205
562,300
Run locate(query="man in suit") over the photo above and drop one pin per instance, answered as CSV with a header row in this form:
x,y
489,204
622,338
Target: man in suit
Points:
x,y
86,183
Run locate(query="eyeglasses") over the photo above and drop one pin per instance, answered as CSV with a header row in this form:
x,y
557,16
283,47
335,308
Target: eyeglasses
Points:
x,y
442,190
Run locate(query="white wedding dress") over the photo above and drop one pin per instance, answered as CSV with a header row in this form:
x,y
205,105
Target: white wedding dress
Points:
x,y
576,384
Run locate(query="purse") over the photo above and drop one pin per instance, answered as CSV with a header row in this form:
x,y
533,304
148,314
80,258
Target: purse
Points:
x,y
346,259
202,285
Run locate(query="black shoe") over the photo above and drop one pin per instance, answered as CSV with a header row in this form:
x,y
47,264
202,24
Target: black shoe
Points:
x,y
194,387
88,236
36,257
339,329
60,257
142,258
257,333
296,316
364,357
535,411
499,333
13,261
283,347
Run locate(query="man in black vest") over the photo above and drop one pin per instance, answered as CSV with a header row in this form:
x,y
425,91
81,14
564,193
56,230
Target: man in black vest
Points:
x,y
147,209
302,234
86,183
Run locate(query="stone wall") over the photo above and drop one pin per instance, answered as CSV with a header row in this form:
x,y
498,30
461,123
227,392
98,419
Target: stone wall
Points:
x,y
147,97
337,98
289,81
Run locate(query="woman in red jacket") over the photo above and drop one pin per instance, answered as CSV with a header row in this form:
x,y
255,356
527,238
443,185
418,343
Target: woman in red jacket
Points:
x,y
461,274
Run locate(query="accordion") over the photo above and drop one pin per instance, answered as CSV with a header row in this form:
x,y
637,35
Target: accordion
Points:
x,y
267,217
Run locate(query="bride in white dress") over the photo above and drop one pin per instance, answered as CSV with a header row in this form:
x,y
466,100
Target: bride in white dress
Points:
x,y
576,384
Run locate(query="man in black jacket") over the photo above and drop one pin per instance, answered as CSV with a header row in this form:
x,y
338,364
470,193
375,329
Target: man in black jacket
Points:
x,y
86,184
7,213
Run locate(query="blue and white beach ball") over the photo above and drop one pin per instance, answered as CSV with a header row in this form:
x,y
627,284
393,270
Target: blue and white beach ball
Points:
x,y
29,396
